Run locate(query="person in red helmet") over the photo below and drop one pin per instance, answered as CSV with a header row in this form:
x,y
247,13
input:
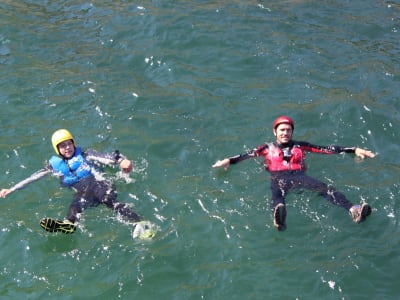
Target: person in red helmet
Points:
x,y
285,160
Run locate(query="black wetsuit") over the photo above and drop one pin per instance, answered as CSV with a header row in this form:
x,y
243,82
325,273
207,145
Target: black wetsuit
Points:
x,y
89,191
92,192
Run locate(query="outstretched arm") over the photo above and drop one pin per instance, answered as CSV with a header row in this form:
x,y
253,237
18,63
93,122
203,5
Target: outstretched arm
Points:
x,y
226,162
362,153
110,159
34,177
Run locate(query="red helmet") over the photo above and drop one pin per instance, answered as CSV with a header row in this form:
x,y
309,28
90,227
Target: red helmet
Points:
x,y
283,119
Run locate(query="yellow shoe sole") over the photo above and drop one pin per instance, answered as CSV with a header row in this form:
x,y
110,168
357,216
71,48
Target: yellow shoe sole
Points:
x,y
53,225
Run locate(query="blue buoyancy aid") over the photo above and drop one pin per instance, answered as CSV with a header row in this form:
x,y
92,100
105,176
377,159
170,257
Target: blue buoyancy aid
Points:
x,y
71,170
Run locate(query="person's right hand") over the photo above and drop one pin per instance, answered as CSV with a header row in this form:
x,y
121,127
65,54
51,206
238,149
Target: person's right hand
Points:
x,y
4,193
222,163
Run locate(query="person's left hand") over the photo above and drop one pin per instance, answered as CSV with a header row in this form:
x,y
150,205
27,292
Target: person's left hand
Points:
x,y
126,165
364,153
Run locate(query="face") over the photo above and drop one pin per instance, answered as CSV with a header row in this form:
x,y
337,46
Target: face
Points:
x,y
283,133
66,148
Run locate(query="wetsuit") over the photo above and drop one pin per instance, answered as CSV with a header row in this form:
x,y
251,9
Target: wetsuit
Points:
x,y
78,173
286,163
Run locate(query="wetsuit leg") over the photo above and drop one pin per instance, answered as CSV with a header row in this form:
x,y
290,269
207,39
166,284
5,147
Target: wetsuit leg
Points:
x,y
78,205
328,192
108,196
83,198
279,188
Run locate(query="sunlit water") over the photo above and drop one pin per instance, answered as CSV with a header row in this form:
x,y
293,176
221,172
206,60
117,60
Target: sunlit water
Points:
x,y
176,86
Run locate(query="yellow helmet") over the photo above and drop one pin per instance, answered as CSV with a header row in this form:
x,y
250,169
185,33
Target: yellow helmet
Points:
x,y
60,136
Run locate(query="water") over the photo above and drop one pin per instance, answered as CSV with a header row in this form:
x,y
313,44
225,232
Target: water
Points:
x,y
176,86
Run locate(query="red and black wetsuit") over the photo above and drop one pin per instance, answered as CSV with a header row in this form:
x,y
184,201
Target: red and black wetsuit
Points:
x,y
286,163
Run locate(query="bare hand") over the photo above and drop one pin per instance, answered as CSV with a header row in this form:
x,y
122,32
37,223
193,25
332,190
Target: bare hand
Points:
x,y
364,153
126,165
222,163
4,193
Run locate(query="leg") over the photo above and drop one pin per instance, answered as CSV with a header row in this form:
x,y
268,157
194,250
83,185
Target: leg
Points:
x,y
85,197
67,226
143,229
109,198
74,212
78,205
124,210
328,192
357,212
279,188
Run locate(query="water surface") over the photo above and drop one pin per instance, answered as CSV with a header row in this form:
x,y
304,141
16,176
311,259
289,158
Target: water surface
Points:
x,y
176,86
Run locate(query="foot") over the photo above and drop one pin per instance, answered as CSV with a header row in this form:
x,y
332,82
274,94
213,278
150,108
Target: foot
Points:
x,y
280,217
53,225
144,230
360,212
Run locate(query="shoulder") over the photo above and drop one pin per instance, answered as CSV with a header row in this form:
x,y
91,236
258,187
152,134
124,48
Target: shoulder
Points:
x,y
55,162
263,148
54,159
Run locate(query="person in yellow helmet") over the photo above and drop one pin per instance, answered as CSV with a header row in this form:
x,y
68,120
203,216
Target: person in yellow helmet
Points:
x,y
76,169
285,161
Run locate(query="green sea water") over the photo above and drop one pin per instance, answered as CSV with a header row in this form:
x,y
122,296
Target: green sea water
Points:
x,y
176,85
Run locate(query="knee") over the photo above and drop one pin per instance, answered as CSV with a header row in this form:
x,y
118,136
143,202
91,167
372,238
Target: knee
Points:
x,y
118,206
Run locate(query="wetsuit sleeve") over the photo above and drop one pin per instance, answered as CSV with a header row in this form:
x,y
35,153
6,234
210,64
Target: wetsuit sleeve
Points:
x,y
104,158
324,149
34,177
250,154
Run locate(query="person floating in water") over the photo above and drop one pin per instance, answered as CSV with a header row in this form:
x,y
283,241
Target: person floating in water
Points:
x,y
285,160
76,169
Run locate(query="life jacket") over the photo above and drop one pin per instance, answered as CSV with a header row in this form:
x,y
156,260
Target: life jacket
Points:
x,y
71,170
274,159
